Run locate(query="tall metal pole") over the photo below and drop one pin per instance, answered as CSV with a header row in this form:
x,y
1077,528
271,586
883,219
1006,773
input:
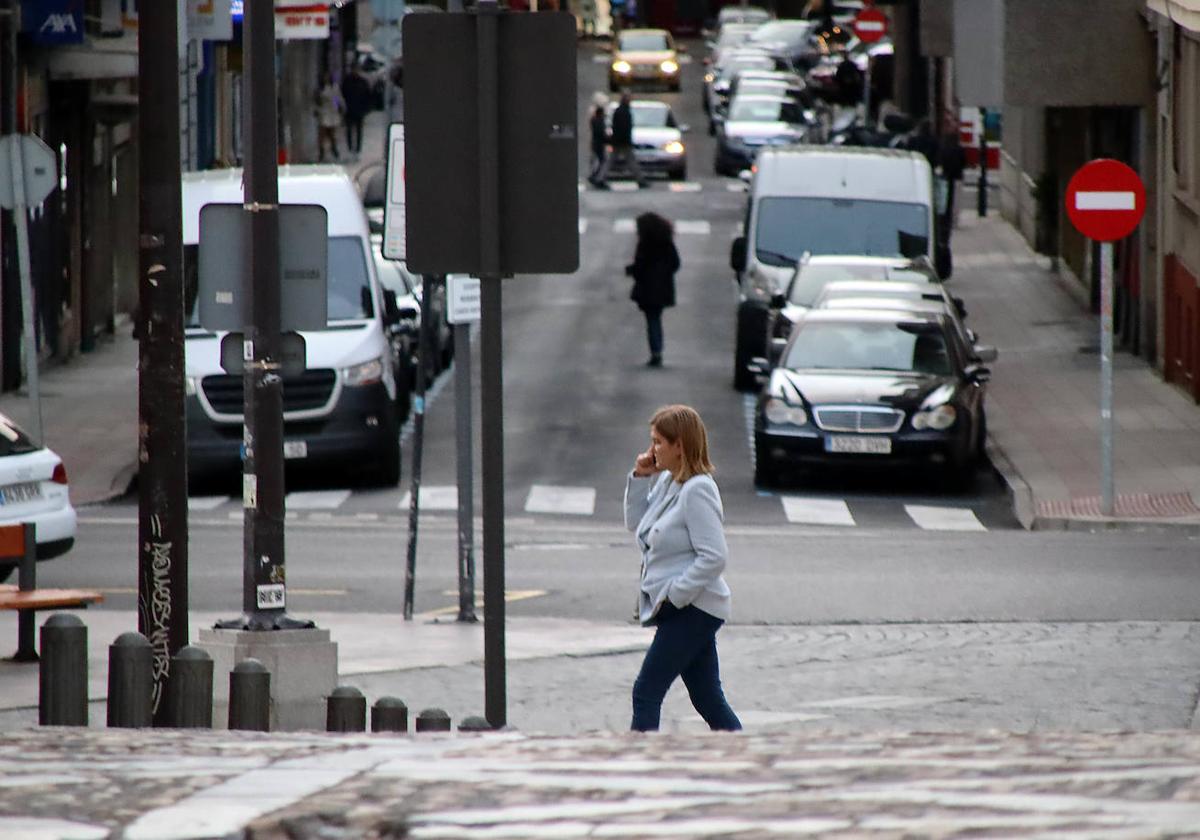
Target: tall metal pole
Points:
x,y
424,347
491,349
466,490
982,198
29,336
162,442
1106,378
867,94
10,288
264,593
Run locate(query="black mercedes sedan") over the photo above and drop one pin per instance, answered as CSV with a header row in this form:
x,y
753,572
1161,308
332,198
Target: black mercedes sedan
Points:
x,y
871,388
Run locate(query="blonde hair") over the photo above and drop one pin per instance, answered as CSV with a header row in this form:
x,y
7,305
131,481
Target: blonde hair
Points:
x,y
682,424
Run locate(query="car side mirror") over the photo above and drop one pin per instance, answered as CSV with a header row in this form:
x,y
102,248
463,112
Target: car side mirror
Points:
x,y
778,300
978,373
737,255
986,353
961,307
391,310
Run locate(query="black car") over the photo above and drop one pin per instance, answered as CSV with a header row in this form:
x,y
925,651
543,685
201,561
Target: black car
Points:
x,y
871,388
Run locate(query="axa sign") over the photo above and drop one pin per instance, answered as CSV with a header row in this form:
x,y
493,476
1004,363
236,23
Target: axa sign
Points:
x,y
53,21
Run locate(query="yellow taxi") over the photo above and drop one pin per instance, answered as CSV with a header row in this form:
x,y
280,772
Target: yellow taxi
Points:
x,y
644,57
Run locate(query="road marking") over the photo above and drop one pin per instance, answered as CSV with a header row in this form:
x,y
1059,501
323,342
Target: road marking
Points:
x,y
433,497
117,590
206,502
583,226
624,226
294,591
1098,200
804,511
600,58
316,499
510,595
546,498
699,227
684,59
623,186
685,186
735,186
875,701
933,518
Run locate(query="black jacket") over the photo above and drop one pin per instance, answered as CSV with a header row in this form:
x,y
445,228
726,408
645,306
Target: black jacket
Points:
x,y
599,130
653,270
356,93
622,126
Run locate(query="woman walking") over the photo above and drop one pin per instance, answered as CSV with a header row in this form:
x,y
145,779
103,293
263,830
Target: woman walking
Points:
x,y
673,506
599,128
653,270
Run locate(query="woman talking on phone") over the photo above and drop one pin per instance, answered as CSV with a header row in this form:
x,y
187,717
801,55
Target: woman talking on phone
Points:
x,y
674,508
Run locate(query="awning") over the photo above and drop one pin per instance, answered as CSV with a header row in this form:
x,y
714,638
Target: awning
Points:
x,y
95,58
1186,13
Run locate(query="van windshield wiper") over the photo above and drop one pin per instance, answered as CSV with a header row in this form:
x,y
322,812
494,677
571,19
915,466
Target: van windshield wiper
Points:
x,y
774,257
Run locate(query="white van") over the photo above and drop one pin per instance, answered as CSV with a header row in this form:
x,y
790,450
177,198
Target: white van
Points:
x,y
342,409
825,200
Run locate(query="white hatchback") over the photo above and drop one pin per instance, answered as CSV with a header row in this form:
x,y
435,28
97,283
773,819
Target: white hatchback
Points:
x,y
33,488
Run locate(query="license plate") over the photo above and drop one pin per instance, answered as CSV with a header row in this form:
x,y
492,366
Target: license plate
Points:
x,y
295,449
859,444
17,493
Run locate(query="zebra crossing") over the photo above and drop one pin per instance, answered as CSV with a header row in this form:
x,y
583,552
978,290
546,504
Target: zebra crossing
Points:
x,y
729,185
574,502
683,227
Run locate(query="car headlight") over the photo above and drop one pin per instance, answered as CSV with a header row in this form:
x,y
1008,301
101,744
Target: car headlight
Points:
x,y
673,148
368,373
669,66
938,418
708,78
621,66
780,413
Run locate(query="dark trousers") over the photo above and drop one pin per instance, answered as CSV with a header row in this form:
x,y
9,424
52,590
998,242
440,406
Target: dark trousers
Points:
x,y
354,133
654,331
685,645
598,155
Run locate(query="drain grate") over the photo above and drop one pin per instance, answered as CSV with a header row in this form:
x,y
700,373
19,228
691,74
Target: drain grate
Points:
x,y
1134,505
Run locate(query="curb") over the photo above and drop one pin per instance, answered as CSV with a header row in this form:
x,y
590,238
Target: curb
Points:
x,y
1020,495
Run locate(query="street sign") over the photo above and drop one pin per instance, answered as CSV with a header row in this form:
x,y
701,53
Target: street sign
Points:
x,y
1105,200
870,25
462,299
393,208
40,168
293,353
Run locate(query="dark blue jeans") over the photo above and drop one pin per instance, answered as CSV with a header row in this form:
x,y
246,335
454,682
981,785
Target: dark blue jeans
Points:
x,y
654,333
685,645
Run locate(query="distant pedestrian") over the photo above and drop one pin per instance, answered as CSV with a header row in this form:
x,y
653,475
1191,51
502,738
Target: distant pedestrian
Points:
x,y
953,161
587,14
616,13
357,96
329,108
673,506
622,145
653,270
599,126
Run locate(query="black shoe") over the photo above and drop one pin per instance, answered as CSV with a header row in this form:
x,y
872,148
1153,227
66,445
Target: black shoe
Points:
x,y
655,361
601,185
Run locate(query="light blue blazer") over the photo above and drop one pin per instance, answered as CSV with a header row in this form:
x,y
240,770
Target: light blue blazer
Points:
x,y
679,528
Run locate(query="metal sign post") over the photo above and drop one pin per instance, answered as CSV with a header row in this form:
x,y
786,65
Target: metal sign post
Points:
x,y
463,306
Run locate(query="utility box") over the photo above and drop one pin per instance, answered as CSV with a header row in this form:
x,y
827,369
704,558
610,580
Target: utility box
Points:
x,y
537,157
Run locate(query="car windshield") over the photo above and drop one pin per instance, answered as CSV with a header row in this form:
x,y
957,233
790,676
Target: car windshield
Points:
x,y
907,347
652,116
733,66
643,42
765,110
788,31
787,227
349,291
13,441
734,34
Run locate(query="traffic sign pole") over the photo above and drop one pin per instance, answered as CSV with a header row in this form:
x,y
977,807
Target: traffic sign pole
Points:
x,y
16,160
1106,378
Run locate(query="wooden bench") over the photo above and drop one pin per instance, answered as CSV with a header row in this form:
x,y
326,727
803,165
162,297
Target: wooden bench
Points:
x,y
19,542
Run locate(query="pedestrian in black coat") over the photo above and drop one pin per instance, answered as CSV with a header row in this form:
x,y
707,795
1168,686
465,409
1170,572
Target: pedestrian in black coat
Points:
x,y
599,141
653,270
622,145
356,93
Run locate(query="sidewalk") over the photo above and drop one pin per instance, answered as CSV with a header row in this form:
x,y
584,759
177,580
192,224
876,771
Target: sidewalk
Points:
x,y
1044,397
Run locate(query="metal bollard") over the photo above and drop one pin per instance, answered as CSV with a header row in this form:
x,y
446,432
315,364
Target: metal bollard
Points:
x,y
62,678
130,681
27,582
346,710
389,714
250,696
474,723
189,689
433,720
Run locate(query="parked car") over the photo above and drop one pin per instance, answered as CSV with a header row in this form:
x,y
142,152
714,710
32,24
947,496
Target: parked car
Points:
x,y
788,40
741,14
402,291
34,489
644,56
719,78
870,388
755,121
657,138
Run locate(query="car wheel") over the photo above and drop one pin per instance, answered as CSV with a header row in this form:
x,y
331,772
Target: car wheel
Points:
x,y
404,389
766,471
675,88
679,174
387,471
981,441
750,342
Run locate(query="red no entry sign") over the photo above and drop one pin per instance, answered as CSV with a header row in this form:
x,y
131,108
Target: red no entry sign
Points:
x,y
870,25
1105,200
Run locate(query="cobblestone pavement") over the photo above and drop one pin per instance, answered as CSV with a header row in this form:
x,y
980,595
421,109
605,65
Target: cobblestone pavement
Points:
x,y
94,784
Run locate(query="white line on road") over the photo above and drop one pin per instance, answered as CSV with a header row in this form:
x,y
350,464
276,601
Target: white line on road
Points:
x,y
699,227
546,498
735,186
1098,200
933,518
316,499
685,186
434,497
623,186
624,226
804,511
206,502
583,226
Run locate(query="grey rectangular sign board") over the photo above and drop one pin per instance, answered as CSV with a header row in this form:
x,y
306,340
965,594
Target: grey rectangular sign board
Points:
x,y
538,154
303,260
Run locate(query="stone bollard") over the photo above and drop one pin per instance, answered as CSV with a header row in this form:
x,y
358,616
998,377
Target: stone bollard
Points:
x,y
190,689
389,714
62,679
474,723
433,720
346,710
130,682
250,696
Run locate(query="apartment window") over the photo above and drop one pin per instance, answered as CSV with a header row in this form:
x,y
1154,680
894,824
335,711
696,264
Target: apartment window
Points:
x,y
1185,108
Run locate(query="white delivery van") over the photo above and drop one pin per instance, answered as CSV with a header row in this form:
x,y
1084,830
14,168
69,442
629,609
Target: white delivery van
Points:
x,y
341,411
825,200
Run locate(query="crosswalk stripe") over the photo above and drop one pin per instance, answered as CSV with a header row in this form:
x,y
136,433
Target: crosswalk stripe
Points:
x,y
933,518
623,186
600,58
546,498
685,186
805,511
433,497
624,226
316,499
735,186
206,502
699,227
